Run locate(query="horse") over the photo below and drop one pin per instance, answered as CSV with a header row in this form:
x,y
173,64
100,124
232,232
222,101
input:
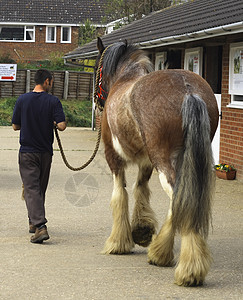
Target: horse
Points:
x,y
163,120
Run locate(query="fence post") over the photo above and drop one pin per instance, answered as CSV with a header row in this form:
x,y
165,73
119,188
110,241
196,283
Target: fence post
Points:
x,y
27,81
66,82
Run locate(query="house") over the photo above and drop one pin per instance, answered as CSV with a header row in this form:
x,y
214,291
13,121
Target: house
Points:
x,y
31,30
207,38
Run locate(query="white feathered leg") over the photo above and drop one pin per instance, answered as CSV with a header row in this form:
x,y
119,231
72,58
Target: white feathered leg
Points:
x,y
120,240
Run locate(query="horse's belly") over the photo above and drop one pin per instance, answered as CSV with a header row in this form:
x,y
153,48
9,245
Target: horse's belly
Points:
x,y
118,148
129,150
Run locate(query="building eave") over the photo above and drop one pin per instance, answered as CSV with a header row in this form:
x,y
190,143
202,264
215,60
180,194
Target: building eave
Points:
x,y
174,39
47,24
193,36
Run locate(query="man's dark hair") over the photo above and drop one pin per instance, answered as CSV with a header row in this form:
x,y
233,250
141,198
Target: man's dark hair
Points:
x,y
41,75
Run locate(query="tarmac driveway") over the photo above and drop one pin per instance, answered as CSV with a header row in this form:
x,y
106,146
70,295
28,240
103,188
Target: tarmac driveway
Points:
x,y
70,265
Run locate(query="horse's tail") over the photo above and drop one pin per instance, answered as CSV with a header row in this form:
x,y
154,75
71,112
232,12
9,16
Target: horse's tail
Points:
x,y
191,210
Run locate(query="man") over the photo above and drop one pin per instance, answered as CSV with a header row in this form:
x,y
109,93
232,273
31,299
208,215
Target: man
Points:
x,y
35,114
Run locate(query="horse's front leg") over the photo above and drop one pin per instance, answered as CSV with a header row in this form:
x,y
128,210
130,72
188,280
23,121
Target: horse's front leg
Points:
x,y
120,240
143,221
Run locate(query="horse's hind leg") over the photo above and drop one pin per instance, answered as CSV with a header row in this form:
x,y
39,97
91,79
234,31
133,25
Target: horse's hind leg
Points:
x,y
161,249
143,220
194,261
120,240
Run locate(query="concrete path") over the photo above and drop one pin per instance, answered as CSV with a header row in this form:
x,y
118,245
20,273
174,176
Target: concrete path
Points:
x,y
70,265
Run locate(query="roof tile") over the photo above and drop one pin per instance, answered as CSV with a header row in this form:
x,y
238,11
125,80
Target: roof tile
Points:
x,y
190,17
52,11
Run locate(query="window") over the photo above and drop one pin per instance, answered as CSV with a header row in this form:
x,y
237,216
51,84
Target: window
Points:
x,y
17,33
236,75
193,60
50,34
29,33
65,34
160,60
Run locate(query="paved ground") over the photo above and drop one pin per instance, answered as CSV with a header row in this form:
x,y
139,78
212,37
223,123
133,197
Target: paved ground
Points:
x,y
70,266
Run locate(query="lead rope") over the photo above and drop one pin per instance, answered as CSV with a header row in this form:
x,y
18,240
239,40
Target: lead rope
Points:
x,y
99,129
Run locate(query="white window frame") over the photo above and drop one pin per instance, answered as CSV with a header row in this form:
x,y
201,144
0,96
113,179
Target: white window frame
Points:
x,y
236,79
25,33
55,34
160,59
194,56
29,30
70,34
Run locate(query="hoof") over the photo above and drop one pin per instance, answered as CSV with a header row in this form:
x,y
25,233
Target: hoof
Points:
x,y
160,255
190,283
142,235
112,247
162,262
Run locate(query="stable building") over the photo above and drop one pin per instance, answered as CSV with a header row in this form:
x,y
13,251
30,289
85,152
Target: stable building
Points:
x,y
205,37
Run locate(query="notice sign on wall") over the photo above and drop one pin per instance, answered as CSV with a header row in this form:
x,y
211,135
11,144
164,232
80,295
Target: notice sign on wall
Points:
x,y
236,69
8,72
193,60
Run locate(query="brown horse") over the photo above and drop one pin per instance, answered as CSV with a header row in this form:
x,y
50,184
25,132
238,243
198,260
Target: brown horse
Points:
x,y
164,120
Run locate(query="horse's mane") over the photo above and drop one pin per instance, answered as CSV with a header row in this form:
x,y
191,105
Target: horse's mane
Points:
x,y
120,52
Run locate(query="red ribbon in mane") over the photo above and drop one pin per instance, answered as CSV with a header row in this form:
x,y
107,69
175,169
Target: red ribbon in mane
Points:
x,y
102,94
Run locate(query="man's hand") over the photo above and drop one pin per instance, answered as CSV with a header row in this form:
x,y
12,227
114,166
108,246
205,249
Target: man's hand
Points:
x,y
16,127
60,126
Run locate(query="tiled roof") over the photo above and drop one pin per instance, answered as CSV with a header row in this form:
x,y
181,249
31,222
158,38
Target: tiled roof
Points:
x,y
184,19
51,11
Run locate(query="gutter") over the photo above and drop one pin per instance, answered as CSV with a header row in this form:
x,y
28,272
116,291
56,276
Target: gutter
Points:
x,y
91,54
48,24
194,36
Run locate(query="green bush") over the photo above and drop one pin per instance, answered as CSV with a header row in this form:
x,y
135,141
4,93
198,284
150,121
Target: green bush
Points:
x,y
6,110
53,63
5,58
78,113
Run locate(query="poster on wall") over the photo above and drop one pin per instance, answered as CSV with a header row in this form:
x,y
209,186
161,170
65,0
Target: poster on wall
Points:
x,y
193,60
237,82
160,60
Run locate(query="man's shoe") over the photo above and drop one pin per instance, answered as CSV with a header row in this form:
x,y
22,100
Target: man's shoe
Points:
x,y
40,235
32,228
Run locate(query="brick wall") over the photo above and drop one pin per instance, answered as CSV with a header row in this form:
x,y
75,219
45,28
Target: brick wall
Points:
x,y
231,134
39,50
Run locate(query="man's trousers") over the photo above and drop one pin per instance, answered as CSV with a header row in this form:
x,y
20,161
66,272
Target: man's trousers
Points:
x,y
35,170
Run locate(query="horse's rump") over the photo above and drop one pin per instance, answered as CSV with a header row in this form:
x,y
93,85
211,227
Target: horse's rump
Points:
x,y
156,102
157,98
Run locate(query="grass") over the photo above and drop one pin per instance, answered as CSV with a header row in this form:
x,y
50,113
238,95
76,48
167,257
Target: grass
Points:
x,y
6,110
78,113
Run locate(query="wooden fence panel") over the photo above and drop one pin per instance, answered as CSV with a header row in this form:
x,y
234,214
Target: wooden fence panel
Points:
x,y
73,85
58,86
79,85
84,90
